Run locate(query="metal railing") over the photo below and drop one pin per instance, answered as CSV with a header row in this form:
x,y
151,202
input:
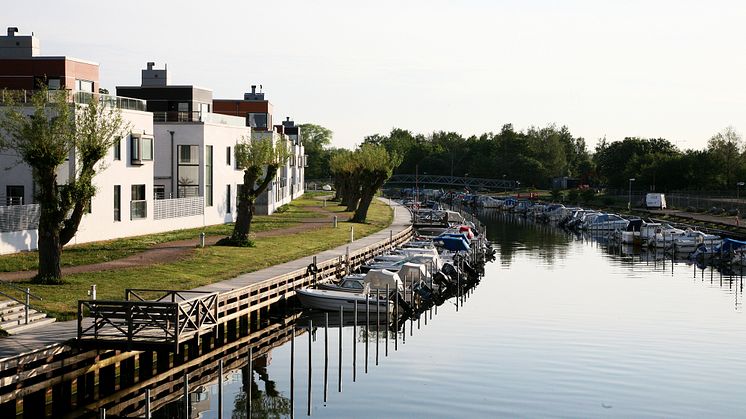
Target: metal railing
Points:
x,y
19,217
27,295
22,97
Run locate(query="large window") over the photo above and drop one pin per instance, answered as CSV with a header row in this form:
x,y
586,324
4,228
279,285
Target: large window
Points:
x,y
187,171
84,86
138,205
117,203
258,120
141,149
208,175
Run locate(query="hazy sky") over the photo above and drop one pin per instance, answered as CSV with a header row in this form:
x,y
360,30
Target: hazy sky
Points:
x,y
672,69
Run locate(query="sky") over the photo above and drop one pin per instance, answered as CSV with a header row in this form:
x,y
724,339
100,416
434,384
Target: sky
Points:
x,y
670,69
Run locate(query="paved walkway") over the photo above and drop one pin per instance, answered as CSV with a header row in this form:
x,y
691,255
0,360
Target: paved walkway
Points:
x,y
60,332
708,218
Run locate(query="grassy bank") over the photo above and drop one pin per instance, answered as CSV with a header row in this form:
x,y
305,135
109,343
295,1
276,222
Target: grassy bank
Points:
x,y
208,265
103,251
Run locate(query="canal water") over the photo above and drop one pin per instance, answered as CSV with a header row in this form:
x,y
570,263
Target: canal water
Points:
x,y
561,325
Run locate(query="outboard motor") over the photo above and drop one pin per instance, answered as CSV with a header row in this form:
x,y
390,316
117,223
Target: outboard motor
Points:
x,y
404,306
443,282
450,271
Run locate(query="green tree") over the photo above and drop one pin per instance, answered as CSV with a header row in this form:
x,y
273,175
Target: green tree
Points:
x,y
315,140
375,166
259,159
44,136
725,148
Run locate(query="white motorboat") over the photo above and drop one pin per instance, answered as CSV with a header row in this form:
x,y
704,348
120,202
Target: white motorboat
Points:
x,y
329,300
605,222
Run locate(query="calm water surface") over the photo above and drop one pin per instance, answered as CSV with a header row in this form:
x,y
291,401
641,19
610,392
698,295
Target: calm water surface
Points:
x,y
560,326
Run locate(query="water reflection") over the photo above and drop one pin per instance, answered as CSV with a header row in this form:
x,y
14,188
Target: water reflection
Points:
x,y
515,233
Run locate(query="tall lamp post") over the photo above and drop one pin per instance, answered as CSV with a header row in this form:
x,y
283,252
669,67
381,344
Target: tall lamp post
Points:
x,y
738,187
629,197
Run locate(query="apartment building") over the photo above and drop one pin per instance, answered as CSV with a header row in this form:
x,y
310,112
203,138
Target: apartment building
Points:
x,y
122,182
173,168
257,112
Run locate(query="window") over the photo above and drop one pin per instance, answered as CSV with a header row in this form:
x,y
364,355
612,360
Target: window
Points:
x,y
257,120
159,191
228,156
135,150
14,194
147,148
141,149
117,203
84,86
227,199
118,148
208,175
138,205
54,84
187,171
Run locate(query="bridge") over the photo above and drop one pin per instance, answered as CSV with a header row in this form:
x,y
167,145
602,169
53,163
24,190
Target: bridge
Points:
x,y
455,182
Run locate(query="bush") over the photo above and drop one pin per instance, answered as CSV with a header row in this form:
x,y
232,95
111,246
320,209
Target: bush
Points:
x,y
608,201
556,195
573,195
588,195
283,208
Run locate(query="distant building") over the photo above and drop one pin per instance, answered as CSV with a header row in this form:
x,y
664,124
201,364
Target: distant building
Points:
x,y
194,148
121,203
564,182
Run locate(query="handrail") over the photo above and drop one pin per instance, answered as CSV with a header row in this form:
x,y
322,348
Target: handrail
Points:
x,y
22,290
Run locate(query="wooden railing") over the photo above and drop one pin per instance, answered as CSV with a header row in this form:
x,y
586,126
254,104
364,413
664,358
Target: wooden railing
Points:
x,y
141,321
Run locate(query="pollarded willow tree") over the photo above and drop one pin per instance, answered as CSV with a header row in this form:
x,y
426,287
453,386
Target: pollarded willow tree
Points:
x,y
360,174
259,160
375,166
44,135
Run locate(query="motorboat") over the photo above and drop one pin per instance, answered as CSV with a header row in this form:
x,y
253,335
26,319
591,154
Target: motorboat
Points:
x,y
605,222
329,300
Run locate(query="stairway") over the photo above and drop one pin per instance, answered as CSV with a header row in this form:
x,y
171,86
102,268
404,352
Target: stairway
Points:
x,y
13,317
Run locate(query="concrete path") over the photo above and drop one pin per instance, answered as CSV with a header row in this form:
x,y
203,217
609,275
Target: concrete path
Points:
x,y
60,332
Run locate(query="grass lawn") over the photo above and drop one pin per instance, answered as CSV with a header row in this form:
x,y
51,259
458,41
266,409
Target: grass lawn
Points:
x,y
208,265
103,251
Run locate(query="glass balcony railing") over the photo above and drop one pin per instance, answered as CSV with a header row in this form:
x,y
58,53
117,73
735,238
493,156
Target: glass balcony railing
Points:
x,y
22,97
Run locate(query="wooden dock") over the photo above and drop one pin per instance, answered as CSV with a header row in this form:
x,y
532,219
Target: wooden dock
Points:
x,y
81,364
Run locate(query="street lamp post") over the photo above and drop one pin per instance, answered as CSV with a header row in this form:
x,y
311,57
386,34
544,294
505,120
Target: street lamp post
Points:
x,y
738,187
629,197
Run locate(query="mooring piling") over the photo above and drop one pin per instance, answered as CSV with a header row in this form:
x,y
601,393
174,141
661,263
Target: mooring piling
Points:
x,y
326,355
310,363
341,320
220,389
354,345
292,372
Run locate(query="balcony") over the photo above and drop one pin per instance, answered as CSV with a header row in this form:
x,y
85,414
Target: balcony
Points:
x,y
197,116
23,97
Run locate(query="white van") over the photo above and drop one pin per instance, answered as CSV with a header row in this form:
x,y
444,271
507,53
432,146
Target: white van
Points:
x,y
655,200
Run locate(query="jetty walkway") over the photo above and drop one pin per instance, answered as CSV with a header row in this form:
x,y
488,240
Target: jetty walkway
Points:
x,y
54,338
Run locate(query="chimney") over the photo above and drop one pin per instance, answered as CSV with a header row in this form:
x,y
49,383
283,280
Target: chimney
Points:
x,y
151,65
12,31
253,89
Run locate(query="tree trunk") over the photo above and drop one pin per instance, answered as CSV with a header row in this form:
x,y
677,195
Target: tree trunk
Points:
x,y
368,192
50,253
50,247
247,195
